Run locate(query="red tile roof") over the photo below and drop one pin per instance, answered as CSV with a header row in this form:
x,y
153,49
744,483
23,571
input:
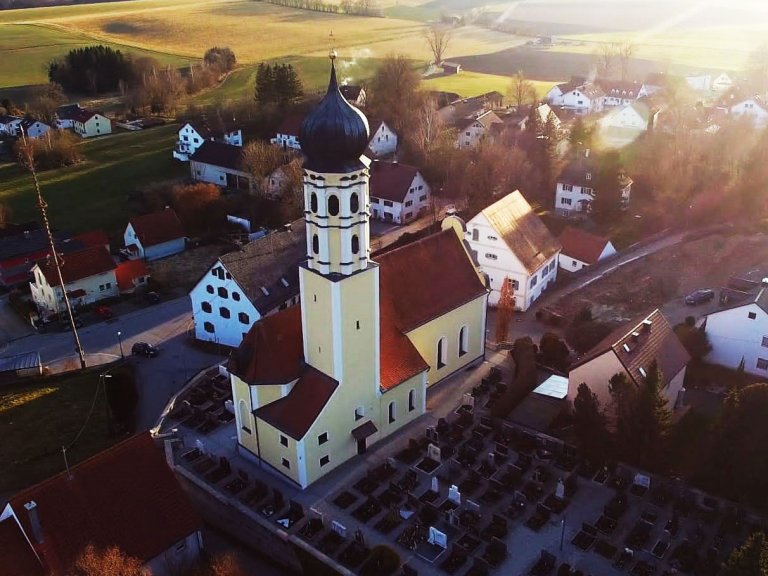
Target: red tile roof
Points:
x,y
157,227
125,496
581,245
79,265
129,271
399,359
296,412
17,557
83,115
391,180
93,238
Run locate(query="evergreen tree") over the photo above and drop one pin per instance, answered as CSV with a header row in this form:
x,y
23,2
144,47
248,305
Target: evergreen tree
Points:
x,y
610,180
265,84
589,424
750,559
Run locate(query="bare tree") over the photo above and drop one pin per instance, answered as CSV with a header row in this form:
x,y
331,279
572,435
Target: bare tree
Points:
x,y
606,55
113,561
438,38
521,90
625,52
261,159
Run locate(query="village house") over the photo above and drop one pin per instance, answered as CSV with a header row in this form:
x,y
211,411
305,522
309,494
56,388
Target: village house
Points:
x,y
354,94
89,276
19,366
279,179
706,82
89,123
65,116
132,275
753,109
193,134
125,496
577,96
9,125
722,82
316,384
473,130
575,188
220,164
544,113
31,128
450,67
624,124
398,191
621,93
463,109
582,249
511,244
155,235
383,140
630,350
287,134
243,286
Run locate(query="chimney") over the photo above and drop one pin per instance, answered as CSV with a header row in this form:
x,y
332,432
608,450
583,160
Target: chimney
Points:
x,y
34,521
647,325
635,336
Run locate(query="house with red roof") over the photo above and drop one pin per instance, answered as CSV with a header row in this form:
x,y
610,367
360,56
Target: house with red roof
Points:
x,y
125,496
398,191
89,123
287,133
316,384
155,235
582,249
132,275
89,276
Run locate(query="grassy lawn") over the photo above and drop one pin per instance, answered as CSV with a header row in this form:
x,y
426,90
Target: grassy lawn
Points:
x,y
37,420
470,84
93,194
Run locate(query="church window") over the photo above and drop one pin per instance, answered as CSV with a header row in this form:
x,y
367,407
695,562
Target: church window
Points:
x,y
286,464
333,205
441,353
392,410
476,234
313,203
322,438
357,324
463,340
224,312
283,440
315,244
223,292
208,327
355,244
236,296
324,460
244,418
243,317
411,400
206,306
209,289
354,203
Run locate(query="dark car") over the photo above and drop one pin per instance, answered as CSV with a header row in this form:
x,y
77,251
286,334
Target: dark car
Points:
x,y
152,297
699,297
144,349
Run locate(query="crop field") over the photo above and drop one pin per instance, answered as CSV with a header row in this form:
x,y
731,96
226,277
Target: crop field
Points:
x,y
94,193
468,84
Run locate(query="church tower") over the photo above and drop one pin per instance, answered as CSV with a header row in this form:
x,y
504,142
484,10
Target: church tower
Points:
x,y
339,282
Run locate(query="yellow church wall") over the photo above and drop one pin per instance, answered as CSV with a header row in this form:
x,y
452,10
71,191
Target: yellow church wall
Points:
x,y
426,337
272,451
359,327
317,320
266,394
243,413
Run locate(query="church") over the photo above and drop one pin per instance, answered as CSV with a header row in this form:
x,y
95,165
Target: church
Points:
x,y
317,384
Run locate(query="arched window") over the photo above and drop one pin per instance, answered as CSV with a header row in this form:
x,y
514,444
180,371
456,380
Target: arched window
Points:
x,y
315,244
354,203
243,317
313,203
441,351
208,327
224,312
411,400
333,205
206,306
392,410
245,419
236,296
355,244
223,292
476,234
463,340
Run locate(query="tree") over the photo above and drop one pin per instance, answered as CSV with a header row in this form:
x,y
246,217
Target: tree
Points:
x,y
221,58
609,182
45,100
693,339
226,565
590,425
261,159
438,38
749,559
55,149
504,310
583,336
554,352
394,93
580,136
265,84
606,55
112,561
92,69
521,90
277,84
625,51
198,206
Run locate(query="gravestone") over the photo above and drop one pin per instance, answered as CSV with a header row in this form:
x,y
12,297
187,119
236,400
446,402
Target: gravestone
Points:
x,y
642,480
315,513
473,507
560,489
435,486
491,458
437,538
454,495
468,400
453,517
433,452
339,528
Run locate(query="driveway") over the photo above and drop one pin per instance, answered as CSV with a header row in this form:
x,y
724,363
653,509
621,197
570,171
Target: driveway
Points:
x,y
11,326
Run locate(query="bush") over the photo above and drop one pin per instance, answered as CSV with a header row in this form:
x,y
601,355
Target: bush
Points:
x,y
54,150
554,352
382,562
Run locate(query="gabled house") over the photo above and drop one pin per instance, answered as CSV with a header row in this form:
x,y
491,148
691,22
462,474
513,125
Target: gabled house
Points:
x,y
399,192
354,94
511,243
383,140
220,164
125,496
193,134
65,116
287,134
277,181
575,188
752,108
89,276
472,130
545,114
32,128
9,125
577,96
582,249
248,284
722,82
739,333
155,235
463,109
630,350
17,557
621,93
624,124
131,275
89,123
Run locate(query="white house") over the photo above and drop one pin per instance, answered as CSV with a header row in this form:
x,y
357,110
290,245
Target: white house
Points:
x,y
399,192
9,124
740,332
630,350
580,98
582,249
243,286
221,164
575,188
89,276
287,135
88,123
509,241
354,94
383,140
193,134
155,235
618,93
545,114
722,83
623,124
32,128
754,109
472,130
65,116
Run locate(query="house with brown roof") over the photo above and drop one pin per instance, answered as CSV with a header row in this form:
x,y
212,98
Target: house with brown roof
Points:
x,y
630,350
194,133
155,235
582,249
259,279
578,96
316,384
132,275
470,131
221,164
575,188
398,191
89,276
89,123
125,496
511,244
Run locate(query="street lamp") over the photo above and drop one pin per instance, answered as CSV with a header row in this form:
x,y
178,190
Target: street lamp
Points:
x,y
120,341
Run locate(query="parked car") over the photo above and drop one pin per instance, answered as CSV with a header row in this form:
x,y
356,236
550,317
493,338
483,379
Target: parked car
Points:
x,y
104,312
152,297
144,349
699,297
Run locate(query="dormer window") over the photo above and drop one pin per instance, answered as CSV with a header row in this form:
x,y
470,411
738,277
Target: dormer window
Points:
x,y
589,175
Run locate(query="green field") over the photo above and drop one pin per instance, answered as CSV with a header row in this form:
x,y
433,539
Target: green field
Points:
x,y
94,193
468,84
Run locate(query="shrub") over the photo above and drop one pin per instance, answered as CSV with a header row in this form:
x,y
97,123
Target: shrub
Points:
x,y
554,352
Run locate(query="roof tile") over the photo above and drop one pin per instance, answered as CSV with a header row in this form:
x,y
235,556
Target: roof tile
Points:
x,y
157,227
582,245
79,265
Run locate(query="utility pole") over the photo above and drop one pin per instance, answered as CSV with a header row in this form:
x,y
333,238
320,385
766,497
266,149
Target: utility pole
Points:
x,y
43,206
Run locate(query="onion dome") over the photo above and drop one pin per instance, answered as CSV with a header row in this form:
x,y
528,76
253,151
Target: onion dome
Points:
x,y
335,134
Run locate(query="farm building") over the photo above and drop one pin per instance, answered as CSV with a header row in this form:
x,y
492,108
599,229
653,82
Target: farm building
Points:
x,y
582,249
193,134
220,164
9,124
88,123
65,116
752,108
32,128
13,368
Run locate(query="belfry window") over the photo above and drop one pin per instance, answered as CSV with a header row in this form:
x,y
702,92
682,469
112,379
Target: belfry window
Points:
x,y
313,203
333,205
354,203
315,244
355,244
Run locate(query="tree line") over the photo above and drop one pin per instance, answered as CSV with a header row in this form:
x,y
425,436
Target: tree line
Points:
x,y
277,84
352,7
